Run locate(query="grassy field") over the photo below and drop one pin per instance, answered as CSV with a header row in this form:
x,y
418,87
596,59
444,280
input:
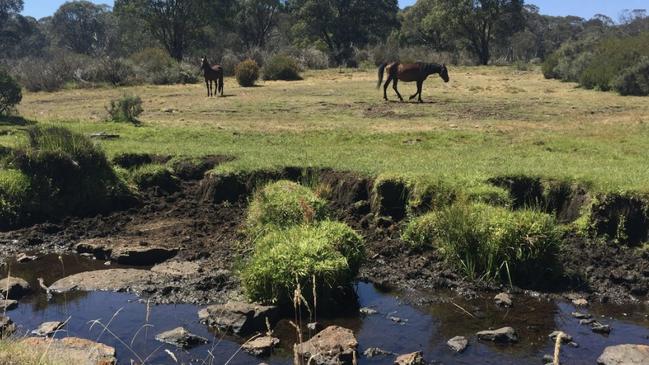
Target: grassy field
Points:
x,y
486,122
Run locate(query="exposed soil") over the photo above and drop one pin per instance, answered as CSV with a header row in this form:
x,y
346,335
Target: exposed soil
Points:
x,y
202,220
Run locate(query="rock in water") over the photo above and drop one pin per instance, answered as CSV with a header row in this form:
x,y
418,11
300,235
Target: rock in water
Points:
x,y
333,345
503,300
72,351
7,327
13,288
565,338
600,328
366,311
261,346
458,343
415,358
238,318
105,280
625,355
23,257
580,302
501,335
580,315
48,329
7,305
180,337
375,351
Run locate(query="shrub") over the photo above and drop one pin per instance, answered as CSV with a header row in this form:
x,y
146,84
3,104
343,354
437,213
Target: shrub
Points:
x,y
125,109
281,67
155,66
314,59
330,252
14,191
115,71
36,75
282,204
634,80
229,62
10,93
247,73
486,242
549,66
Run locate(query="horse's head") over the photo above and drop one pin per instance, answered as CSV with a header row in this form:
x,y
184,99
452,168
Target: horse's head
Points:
x,y
204,63
443,73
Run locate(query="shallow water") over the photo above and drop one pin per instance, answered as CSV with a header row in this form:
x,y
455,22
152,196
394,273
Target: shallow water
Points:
x,y
132,324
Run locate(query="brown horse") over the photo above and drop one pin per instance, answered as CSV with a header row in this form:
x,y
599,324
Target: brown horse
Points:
x,y
212,73
409,72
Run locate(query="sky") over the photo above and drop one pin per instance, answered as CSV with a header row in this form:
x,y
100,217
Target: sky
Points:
x,y
583,8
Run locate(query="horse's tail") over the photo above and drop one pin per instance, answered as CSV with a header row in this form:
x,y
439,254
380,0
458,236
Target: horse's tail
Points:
x,y
381,71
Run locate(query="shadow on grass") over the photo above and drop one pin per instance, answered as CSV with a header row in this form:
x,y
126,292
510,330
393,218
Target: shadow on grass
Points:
x,y
7,120
410,102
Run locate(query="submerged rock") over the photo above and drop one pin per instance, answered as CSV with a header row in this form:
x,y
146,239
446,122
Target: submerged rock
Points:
x,y
104,280
415,358
504,300
8,304
501,335
333,345
600,328
14,288
72,350
23,257
261,346
180,337
367,311
580,315
625,355
458,343
238,318
565,338
375,351
48,329
7,327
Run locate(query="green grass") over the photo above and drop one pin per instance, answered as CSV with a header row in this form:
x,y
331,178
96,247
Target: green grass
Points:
x,y
487,242
150,175
327,253
282,204
486,122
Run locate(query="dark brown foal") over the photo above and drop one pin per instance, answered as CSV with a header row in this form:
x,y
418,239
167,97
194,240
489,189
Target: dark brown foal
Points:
x,y
212,73
409,72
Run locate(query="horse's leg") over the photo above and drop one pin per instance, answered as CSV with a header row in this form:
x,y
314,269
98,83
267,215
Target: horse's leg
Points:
x,y
420,85
207,86
221,84
394,86
385,87
416,93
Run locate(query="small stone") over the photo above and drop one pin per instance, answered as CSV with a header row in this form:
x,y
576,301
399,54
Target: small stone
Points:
x,y
239,318
261,346
458,343
180,337
565,338
366,311
375,351
313,326
13,288
586,321
397,320
48,329
501,335
7,327
415,358
503,300
600,328
8,304
333,345
580,315
580,302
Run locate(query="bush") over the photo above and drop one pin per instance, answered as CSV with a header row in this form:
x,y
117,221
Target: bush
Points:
x,y
486,242
281,67
314,59
125,109
229,62
549,66
634,80
282,204
14,191
247,73
115,71
36,75
10,93
155,66
329,251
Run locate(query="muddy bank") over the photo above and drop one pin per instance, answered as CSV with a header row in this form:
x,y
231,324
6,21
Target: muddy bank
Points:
x,y
200,225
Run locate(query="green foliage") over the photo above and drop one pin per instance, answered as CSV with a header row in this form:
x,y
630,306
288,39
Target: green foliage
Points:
x,y
330,252
634,80
486,242
282,204
281,67
10,93
125,109
81,26
155,66
14,191
247,73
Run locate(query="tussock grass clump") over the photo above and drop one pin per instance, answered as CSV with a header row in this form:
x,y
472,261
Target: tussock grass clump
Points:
x,y
125,109
14,191
487,242
282,204
12,352
154,175
331,252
